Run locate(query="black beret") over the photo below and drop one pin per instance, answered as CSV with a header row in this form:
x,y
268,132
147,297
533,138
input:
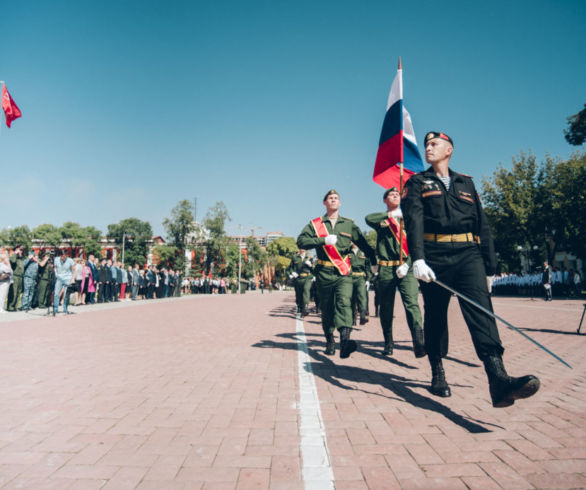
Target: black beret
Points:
x,y
435,134
388,191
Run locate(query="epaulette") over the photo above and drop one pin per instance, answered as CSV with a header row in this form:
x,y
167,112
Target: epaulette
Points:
x,y
344,217
464,175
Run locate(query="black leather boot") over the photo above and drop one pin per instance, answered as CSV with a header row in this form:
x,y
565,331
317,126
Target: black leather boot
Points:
x,y
418,342
388,349
439,385
347,346
504,389
363,318
330,344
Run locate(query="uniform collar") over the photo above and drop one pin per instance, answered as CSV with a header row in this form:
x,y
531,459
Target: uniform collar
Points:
x,y
325,218
430,172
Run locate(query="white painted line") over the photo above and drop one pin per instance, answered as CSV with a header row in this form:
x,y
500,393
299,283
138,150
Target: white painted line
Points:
x,y
316,470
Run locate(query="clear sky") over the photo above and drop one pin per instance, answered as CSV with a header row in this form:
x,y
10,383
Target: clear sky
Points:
x,y
132,105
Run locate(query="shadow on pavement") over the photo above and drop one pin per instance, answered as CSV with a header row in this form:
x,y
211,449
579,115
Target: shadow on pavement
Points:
x,y
336,374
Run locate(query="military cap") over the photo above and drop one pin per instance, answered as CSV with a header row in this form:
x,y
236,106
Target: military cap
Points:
x,y
388,191
435,134
331,191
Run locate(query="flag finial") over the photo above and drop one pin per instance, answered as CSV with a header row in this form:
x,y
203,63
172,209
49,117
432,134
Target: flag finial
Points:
x,y
400,67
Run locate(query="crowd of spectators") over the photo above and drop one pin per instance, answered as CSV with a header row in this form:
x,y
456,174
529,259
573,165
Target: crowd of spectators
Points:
x,y
564,284
28,281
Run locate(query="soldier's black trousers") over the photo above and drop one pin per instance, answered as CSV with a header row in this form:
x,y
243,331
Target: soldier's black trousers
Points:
x,y
461,267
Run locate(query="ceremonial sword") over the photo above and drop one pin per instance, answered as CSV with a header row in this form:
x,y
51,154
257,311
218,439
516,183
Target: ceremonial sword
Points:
x,y
490,313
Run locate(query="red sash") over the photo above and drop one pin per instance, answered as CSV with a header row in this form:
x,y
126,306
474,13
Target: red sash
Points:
x,y
396,231
341,263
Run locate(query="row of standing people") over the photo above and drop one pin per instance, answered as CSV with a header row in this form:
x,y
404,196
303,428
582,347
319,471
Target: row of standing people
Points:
x,y
550,282
46,281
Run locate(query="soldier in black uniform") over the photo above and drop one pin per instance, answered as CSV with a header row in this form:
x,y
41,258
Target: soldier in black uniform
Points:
x,y
448,236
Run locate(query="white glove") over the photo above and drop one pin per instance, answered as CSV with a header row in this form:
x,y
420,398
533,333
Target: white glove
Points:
x,y
308,263
402,270
489,281
367,283
422,271
397,214
294,274
331,239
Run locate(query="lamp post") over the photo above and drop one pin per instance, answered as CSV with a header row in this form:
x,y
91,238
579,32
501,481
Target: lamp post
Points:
x,y
123,240
239,255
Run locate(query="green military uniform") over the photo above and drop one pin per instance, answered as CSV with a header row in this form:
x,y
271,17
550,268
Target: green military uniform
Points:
x,y
388,253
334,289
44,285
361,273
17,264
302,283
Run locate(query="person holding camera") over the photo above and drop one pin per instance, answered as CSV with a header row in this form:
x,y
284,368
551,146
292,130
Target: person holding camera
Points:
x,y
63,279
17,264
31,270
45,280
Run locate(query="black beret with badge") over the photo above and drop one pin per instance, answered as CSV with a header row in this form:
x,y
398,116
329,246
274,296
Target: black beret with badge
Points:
x,y
435,134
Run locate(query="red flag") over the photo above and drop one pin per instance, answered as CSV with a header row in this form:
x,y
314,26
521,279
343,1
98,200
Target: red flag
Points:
x,y
11,110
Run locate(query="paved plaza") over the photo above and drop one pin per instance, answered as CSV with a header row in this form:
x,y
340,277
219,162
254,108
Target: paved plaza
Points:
x,y
234,392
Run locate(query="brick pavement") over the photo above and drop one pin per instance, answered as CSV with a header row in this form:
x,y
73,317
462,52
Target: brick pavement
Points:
x,y
202,392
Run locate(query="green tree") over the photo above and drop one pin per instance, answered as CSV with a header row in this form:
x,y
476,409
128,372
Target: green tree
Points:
x,y
168,256
179,226
575,134
567,199
257,258
21,235
87,238
138,235
215,219
284,247
280,252
48,235
217,246
91,242
514,204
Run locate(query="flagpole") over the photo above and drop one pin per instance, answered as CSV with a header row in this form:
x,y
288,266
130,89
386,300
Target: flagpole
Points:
x,y
401,177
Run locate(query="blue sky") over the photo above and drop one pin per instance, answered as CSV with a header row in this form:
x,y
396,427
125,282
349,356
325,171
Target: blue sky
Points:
x,y
130,106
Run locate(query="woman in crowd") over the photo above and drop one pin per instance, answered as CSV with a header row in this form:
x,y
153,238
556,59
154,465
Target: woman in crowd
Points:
x,y
5,278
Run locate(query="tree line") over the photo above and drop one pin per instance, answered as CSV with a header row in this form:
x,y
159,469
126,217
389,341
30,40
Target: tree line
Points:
x,y
536,209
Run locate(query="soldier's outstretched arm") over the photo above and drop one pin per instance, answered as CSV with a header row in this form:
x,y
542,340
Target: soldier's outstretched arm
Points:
x,y
374,219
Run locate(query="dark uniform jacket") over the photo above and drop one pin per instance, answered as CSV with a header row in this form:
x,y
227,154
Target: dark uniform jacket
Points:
x,y
104,274
429,208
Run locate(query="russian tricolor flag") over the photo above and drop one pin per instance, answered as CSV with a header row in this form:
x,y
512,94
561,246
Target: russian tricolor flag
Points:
x,y
397,141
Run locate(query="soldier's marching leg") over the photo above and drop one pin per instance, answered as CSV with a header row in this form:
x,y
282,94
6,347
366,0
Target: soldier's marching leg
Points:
x,y
387,308
409,291
435,328
326,291
361,300
343,314
305,296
